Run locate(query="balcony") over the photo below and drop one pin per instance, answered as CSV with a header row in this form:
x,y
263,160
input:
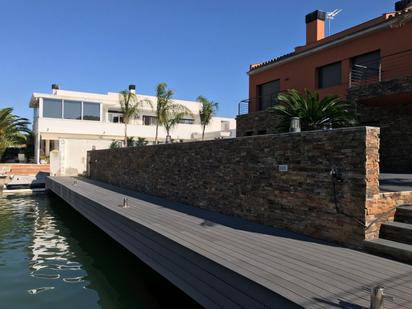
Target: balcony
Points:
x,y
390,75
113,128
263,102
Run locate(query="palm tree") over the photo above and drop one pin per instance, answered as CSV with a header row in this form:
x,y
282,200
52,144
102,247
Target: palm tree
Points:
x,y
171,116
130,108
164,96
314,113
13,129
208,110
168,113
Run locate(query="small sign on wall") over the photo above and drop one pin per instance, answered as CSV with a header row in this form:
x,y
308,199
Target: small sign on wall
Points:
x,y
283,167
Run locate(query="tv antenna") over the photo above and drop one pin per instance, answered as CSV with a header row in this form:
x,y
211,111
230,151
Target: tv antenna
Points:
x,y
331,16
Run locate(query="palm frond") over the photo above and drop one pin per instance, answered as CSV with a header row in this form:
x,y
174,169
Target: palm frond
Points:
x,y
207,111
13,129
314,113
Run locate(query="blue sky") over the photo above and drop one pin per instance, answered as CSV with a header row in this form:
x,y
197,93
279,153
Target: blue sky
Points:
x,y
197,47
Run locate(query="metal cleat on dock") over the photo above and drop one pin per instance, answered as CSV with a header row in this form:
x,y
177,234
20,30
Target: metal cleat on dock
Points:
x,y
125,203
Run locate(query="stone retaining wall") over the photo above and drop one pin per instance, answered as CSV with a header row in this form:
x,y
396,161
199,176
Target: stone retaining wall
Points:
x,y
381,89
242,177
395,121
380,208
257,123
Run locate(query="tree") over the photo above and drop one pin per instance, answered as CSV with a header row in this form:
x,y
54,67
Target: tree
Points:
x,y
130,141
314,113
141,141
168,113
30,141
171,116
13,129
164,97
208,110
130,107
115,144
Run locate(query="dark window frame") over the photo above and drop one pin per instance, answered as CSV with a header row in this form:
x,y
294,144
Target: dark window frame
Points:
x,y
44,109
152,120
368,68
69,109
263,99
319,78
88,116
63,113
187,121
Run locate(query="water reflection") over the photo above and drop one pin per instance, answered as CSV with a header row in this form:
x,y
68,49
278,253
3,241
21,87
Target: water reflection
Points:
x,y
51,257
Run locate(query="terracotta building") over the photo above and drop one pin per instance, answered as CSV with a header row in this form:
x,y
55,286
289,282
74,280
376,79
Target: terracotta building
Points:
x,y
369,64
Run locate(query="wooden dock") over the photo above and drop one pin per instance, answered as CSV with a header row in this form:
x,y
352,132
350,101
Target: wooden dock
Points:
x,y
226,262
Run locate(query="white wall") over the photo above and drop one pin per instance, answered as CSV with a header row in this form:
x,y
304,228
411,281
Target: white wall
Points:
x,y
75,154
62,127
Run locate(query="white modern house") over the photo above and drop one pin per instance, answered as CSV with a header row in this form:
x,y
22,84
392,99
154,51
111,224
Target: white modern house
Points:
x,y
67,124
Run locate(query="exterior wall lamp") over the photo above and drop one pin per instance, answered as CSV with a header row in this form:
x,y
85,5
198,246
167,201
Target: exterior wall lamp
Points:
x,y
294,125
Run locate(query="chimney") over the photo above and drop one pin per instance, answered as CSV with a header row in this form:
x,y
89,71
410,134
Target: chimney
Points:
x,y
403,5
132,89
315,26
55,87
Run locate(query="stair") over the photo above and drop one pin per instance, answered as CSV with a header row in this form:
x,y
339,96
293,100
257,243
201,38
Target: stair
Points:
x,y
404,214
28,169
395,238
397,231
391,249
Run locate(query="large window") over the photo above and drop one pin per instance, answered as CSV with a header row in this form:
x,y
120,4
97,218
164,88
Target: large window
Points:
x,y
267,94
115,116
52,108
149,120
72,110
91,111
330,75
68,109
366,66
187,121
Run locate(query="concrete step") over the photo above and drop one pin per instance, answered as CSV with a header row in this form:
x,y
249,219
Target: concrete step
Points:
x,y
404,214
391,249
28,169
397,231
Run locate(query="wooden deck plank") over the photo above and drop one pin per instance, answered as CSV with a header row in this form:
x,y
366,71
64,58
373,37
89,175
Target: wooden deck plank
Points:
x,y
386,266
153,250
259,250
104,224
249,252
228,261
308,272
327,284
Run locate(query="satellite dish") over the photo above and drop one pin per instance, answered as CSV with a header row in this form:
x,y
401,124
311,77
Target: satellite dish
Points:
x,y
331,16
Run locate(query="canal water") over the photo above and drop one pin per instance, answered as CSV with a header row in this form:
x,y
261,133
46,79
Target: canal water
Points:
x,y
51,257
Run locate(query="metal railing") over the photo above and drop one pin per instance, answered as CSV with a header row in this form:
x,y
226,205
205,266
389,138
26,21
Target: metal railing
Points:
x,y
267,100
243,107
385,68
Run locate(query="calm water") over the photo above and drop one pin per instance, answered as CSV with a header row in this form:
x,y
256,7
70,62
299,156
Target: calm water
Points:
x,y
51,257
